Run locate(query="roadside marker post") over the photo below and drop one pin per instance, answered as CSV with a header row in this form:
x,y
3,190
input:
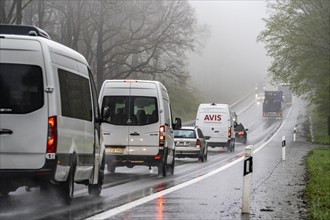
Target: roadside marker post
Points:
x,y
247,180
283,148
294,133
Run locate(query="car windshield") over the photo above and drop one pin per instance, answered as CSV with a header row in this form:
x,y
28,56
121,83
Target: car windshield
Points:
x,y
184,134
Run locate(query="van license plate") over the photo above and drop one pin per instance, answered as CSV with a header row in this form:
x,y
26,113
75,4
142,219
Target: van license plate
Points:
x,y
113,150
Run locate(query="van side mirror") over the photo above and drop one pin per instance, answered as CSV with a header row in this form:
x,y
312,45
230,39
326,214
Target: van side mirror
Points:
x,y
207,137
105,113
178,123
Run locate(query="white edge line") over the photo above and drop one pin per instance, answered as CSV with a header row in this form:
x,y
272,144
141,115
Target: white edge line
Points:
x,y
115,211
122,208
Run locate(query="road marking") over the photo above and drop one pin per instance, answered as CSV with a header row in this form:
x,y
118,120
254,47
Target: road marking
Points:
x,y
123,208
119,209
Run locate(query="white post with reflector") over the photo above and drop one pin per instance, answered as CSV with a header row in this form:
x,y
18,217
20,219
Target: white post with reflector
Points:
x,y
247,180
294,133
283,148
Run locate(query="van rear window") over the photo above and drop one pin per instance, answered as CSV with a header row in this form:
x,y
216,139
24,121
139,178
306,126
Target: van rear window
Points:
x,y
21,88
131,110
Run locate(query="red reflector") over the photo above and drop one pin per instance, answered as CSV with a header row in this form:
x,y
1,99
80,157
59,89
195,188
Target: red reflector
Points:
x,y
52,135
157,157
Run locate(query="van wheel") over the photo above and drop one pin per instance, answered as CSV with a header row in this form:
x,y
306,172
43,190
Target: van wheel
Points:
x,y
95,189
162,168
173,164
66,188
202,158
111,168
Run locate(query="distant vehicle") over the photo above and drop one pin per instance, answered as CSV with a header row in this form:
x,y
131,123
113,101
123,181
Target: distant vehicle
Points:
x,y
241,133
190,142
260,96
216,121
260,88
285,88
273,105
49,116
137,126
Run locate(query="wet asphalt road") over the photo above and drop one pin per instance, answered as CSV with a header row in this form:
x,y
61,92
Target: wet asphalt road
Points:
x,y
188,194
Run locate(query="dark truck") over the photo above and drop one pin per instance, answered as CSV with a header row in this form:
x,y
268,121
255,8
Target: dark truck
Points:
x,y
273,104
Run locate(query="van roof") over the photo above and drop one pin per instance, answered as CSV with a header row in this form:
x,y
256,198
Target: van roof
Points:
x,y
134,81
53,46
28,30
213,105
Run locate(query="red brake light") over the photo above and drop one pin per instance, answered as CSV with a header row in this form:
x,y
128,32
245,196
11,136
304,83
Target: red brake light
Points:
x,y
241,133
52,135
157,157
162,129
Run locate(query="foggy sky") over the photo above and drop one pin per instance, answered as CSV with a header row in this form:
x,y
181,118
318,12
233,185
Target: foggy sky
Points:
x,y
232,61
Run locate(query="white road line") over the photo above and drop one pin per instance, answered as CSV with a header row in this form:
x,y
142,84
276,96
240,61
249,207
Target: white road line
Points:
x,y
115,211
123,208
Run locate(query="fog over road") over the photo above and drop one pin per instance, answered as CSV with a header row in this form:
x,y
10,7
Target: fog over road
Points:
x,y
231,60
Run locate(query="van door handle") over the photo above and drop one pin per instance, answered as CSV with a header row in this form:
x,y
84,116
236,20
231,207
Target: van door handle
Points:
x,y
6,131
134,134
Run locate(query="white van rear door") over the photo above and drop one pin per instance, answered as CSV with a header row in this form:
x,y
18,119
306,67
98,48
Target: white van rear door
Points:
x,y
144,134
214,123
23,105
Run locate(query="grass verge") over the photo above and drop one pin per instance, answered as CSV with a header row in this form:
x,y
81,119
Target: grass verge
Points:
x,y
317,191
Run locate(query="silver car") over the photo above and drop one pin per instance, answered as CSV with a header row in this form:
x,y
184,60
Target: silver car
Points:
x,y
190,142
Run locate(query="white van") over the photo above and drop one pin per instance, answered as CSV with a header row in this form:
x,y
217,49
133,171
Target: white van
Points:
x,y
137,126
49,116
216,121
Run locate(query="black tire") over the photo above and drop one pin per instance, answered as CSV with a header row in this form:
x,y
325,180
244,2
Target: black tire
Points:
x,y
111,168
202,158
173,164
95,189
229,146
66,189
162,168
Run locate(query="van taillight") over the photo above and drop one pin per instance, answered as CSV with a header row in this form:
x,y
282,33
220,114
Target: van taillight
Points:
x,y
198,143
162,130
52,135
229,132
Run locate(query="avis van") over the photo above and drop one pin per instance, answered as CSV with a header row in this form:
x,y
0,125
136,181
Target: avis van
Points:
x,y
49,116
137,127
216,121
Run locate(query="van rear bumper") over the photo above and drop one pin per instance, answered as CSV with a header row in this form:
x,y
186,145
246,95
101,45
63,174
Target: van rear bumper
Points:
x,y
11,179
133,160
218,144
